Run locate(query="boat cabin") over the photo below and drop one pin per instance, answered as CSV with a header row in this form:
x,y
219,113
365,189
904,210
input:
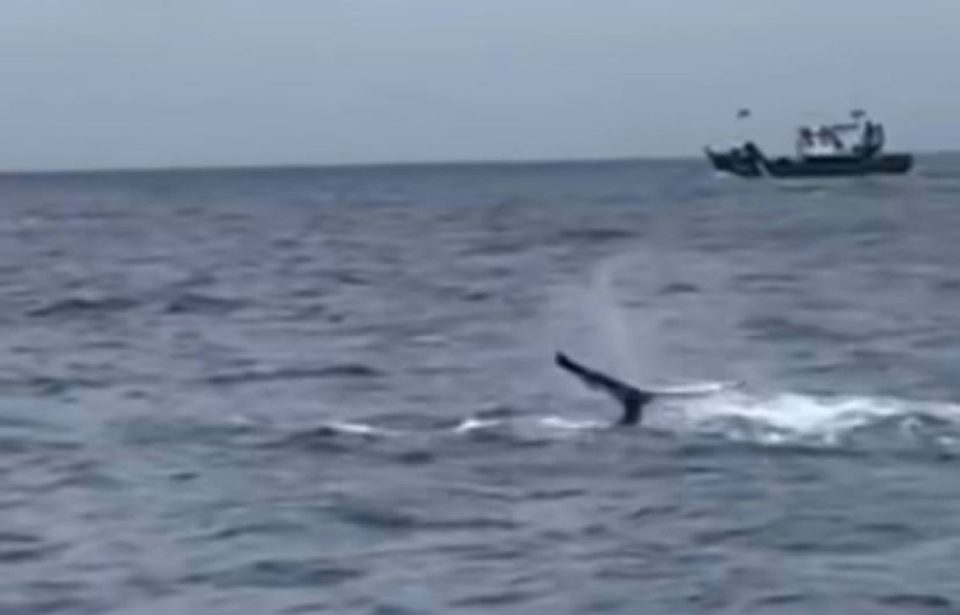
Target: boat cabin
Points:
x,y
834,140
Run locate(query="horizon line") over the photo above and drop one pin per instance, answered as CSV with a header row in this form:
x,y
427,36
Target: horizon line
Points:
x,y
359,165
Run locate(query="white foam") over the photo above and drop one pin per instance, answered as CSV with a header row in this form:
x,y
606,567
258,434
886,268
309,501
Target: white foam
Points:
x,y
806,415
557,422
359,429
473,424
694,388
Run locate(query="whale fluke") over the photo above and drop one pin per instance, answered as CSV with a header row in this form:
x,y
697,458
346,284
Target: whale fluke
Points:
x,y
631,398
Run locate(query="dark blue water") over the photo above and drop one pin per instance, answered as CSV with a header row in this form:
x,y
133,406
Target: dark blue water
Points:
x,y
331,390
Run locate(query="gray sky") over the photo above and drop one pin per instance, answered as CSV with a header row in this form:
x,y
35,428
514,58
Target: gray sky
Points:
x,y
122,83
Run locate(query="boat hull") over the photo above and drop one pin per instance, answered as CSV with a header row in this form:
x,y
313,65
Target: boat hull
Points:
x,y
739,162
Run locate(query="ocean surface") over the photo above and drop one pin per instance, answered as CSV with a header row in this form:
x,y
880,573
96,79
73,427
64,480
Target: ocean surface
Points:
x,y
292,391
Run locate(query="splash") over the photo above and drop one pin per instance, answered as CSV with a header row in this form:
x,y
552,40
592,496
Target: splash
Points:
x,y
730,409
793,417
779,420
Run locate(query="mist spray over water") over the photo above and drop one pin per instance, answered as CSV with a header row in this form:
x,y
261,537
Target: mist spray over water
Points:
x,y
610,321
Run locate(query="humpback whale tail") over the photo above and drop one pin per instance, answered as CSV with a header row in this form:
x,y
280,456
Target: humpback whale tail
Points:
x,y
631,398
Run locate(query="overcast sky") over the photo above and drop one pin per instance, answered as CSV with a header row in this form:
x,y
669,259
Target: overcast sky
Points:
x,y
126,83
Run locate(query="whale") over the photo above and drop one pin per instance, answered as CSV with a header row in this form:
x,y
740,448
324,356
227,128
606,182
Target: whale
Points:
x,y
632,399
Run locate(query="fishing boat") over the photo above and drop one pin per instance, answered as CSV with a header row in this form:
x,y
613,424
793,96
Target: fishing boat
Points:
x,y
822,151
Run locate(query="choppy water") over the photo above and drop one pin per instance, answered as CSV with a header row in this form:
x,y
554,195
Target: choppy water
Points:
x,y
299,391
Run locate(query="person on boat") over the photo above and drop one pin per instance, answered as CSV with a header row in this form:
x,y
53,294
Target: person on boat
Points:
x,y
804,140
879,137
872,141
863,148
830,139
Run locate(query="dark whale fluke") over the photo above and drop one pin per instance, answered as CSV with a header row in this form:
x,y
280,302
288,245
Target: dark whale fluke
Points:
x,y
631,398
